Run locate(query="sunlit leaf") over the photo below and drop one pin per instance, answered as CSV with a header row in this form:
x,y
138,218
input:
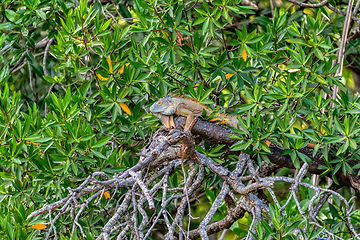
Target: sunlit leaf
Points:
x,y
106,195
125,108
38,226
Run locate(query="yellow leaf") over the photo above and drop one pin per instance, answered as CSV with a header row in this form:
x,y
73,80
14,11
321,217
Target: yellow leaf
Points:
x,y
228,75
133,14
121,70
32,143
107,195
282,66
244,54
110,64
125,108
38,226
223,121
165,34
309,12
101,78
215,119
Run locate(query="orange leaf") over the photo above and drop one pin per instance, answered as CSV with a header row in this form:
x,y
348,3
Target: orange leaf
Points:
x,y
107,195
102,78
215,119
110,64
121,70
228,75
165,34
125,108
311,145
244,54
223,121
38,226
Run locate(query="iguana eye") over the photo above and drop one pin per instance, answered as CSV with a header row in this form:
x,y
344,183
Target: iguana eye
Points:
x,y
159,103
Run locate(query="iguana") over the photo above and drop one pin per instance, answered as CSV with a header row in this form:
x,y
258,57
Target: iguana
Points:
x,y
168,106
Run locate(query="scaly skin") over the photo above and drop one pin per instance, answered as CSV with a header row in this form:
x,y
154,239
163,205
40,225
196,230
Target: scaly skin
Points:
x,y
168,106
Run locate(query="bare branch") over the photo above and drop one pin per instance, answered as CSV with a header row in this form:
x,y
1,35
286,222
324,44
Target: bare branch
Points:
x,y
45,56
160,158
309,5
143,188
343,42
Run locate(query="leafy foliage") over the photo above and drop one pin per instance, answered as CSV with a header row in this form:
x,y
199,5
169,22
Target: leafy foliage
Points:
x,y
85,107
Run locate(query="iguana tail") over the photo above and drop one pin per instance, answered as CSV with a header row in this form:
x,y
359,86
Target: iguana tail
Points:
x,y
232,121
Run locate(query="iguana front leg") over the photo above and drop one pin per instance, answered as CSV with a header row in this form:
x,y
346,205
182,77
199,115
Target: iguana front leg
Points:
x,y
189,117
167,121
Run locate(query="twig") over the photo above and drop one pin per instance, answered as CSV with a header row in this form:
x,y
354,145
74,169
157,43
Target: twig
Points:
x,y
273,8
30,79
45,56
144,189
341,50
341,12
356,8
309,5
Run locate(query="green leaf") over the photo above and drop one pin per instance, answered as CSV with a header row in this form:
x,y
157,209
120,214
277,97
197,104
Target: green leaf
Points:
x,y
105,25
66,167
124,11
41,14
6,26
86,137
298,41
10,14
101,142
290,229
226,15
205,26
2,38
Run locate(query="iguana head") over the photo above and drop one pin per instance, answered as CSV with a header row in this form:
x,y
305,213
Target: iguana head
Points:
x,y
164,108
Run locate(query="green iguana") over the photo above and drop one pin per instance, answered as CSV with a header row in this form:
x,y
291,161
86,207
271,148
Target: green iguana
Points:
x,y
168,106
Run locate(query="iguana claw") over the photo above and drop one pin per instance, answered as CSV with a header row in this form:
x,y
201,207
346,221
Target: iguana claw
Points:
x,y
168,121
